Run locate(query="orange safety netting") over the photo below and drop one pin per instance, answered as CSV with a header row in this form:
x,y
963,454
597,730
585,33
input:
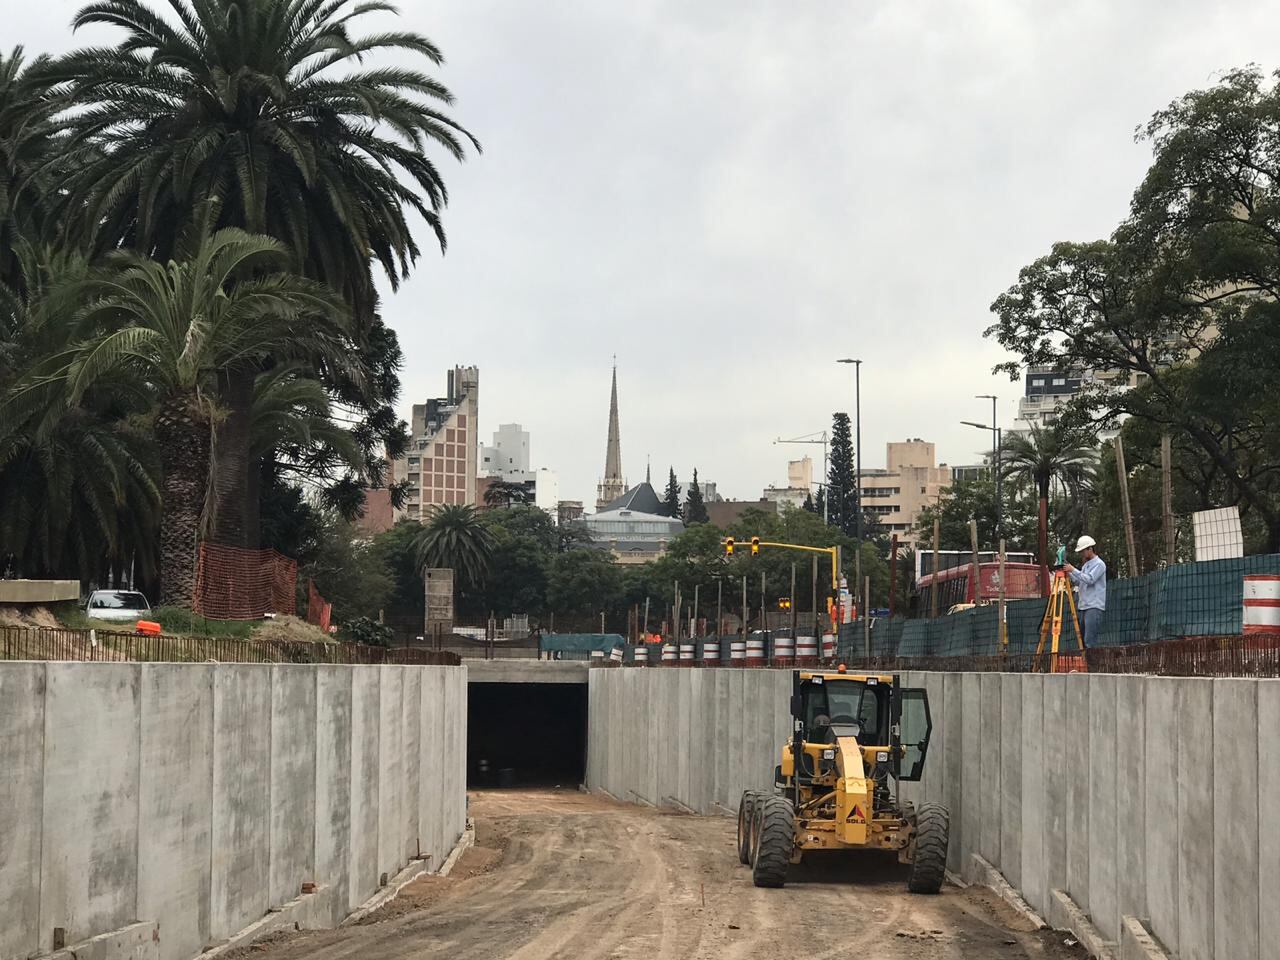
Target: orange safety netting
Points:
x,y
233,583
319,610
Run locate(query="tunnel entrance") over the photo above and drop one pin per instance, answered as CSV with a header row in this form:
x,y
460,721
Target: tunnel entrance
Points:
x,y
526,734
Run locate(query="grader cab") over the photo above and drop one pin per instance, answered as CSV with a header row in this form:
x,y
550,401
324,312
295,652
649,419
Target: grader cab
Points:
x,y
856,738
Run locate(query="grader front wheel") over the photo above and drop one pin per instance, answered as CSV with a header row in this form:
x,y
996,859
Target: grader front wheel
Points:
x,y
746,813
775,841
929,865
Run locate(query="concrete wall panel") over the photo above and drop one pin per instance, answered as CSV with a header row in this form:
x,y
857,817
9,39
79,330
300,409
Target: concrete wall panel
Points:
x,y
954,767
176,797
1057,777
241,834
365,785
390,768
431,812
293,780
1268,808
1235,805
971,785
411,734
1196,744
1010,767
333,782
988,766
1131,797
1076,737
1033,871
89,854
1103,903
1160,786
22,688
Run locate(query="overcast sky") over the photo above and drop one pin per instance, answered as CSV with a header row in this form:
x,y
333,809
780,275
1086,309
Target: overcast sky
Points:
x,y
730,195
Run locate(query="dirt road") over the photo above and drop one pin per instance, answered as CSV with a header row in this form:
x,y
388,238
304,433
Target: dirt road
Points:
x,y
564,875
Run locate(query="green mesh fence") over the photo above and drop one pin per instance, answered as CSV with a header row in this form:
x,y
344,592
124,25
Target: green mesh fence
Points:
x,y
1188,600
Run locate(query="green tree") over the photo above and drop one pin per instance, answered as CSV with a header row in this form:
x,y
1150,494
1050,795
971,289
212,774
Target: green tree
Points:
x,y
172,327
456,538
273,111
582,584
1042,458
396,550
505,493
695,510
350,572
967,500
842,503
671,499
525,544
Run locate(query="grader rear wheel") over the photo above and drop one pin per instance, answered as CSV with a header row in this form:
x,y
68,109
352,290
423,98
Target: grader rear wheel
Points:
x,y
929,865
776,839
746,813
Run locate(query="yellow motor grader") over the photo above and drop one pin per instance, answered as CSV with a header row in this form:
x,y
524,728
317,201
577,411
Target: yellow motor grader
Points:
x,y
856,738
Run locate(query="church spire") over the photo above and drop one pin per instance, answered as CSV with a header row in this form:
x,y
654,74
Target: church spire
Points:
x,y
612,486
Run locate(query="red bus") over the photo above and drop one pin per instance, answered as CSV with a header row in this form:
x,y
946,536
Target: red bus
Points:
x,y
954,579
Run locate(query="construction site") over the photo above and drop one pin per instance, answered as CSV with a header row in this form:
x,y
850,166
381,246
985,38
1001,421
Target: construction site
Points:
x,y
936,788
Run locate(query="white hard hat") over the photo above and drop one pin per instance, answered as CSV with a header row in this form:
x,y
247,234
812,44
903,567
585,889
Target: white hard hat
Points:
x,y
1085,542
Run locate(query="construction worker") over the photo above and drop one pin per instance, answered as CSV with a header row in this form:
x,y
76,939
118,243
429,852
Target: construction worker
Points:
x,y
1091,580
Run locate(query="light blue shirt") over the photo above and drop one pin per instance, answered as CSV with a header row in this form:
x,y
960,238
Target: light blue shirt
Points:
x,y
1092,581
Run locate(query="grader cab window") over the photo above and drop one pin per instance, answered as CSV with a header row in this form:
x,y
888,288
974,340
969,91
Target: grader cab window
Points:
x,y
843,708
916,727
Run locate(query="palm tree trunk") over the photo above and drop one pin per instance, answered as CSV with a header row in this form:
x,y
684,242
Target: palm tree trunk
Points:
x,y
1044,543
231,467
183,437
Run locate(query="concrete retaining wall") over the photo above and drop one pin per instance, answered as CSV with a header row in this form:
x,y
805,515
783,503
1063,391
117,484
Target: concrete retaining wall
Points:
x,y
1137,796
200,796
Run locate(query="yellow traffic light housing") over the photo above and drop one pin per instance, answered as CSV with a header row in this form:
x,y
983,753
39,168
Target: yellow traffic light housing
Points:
x,y
728,547
784,603
755,546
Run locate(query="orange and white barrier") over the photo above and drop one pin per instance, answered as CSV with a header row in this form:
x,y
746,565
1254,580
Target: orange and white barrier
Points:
x,y
687,652
755,650
737,653
669,654
784,651
828,646
711,653
642,655
1262,603
806,651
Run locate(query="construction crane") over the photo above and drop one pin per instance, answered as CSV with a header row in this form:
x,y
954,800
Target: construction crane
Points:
x,y
815,437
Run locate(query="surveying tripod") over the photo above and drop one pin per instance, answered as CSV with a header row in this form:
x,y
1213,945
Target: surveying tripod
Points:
x,y
1061,599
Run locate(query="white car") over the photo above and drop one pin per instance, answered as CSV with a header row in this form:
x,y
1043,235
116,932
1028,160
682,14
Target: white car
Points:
x,y
117,605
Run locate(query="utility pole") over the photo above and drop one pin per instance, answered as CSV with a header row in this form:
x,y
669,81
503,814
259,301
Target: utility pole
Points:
x,y
646,617
719,605
822,439
764,620
1004,622
866,618
696,588
1166,497
1123,475
998,440
817,628
744,606
977,570
893,573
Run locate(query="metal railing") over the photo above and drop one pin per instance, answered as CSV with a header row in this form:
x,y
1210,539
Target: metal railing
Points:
x,y
108,646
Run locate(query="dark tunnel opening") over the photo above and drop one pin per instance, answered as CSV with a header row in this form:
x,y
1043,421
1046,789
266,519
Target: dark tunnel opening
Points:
x,y
526,734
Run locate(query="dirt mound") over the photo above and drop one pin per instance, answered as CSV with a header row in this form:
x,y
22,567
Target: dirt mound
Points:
x,y
290,630
22,615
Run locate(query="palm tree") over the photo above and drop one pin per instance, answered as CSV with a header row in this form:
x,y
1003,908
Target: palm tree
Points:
x,y
272,110
174,327
28,153
1045,457
456,538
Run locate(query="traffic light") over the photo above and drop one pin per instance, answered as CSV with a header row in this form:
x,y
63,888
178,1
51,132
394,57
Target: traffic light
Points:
x,y
755,546
728,547
784,603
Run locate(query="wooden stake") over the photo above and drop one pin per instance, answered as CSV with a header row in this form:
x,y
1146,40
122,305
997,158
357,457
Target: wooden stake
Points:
x,y
934,590
977,570
1122,473
1166,497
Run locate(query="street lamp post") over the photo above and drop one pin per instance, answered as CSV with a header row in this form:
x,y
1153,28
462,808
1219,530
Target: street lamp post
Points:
x,y
999,435
857,453
995,434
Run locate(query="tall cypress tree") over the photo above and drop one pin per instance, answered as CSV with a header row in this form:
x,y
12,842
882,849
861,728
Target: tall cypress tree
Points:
x,y
671,499
695,509
841,506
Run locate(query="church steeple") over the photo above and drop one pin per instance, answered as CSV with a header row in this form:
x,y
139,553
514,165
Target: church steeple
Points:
x,y
612,486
